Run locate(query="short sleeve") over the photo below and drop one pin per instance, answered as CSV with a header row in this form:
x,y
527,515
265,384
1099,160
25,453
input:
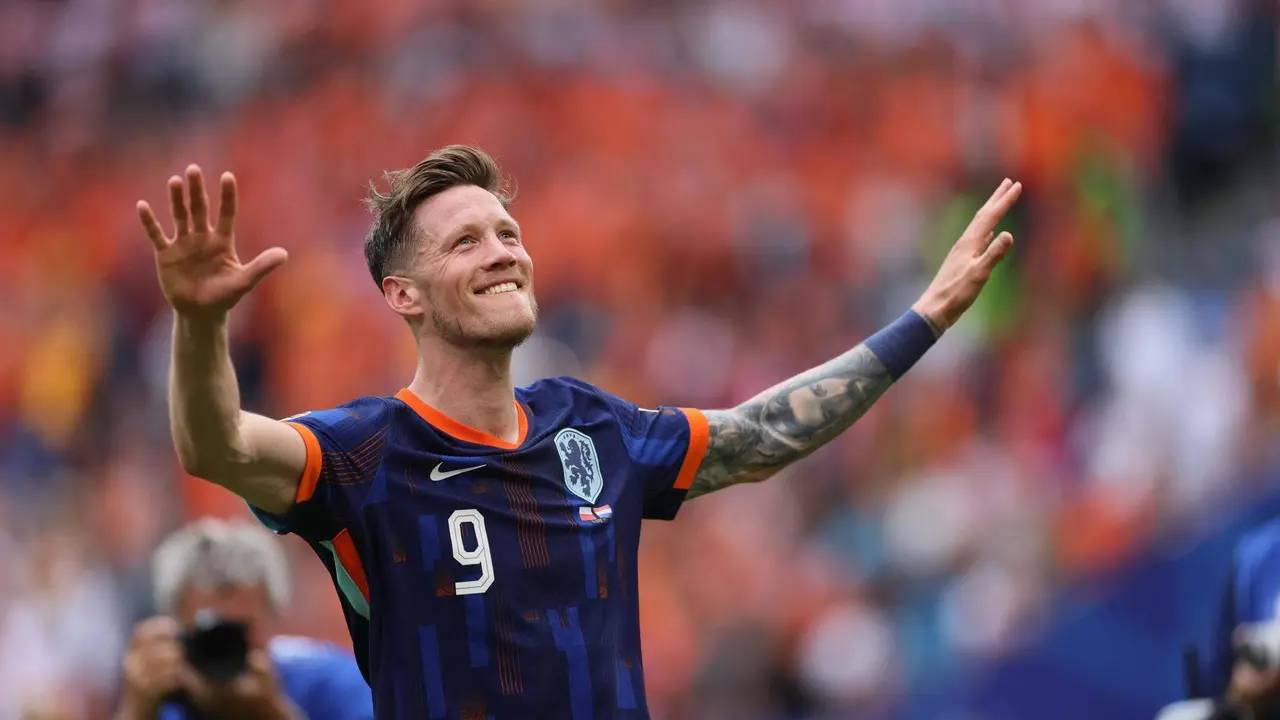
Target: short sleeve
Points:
x,y
344,450
666,446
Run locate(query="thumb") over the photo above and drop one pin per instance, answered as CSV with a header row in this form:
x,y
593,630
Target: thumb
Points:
x,y
261,670
267,260
259,662
997,250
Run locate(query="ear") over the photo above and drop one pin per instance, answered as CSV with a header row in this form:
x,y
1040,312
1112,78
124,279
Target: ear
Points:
x,y
405,298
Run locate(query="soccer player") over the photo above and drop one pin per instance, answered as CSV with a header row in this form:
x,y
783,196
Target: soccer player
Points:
x,y
483,538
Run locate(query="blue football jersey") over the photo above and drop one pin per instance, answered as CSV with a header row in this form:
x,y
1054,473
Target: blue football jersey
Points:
x,y
1251,595
489,580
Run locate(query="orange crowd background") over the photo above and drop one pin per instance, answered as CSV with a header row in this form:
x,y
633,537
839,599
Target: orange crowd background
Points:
x,y
716,196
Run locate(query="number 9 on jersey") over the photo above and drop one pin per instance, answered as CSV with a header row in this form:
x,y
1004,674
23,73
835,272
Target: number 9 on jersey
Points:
x,y
480,555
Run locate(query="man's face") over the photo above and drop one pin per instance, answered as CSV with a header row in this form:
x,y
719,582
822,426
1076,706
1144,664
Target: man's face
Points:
x,y
248,604
471,271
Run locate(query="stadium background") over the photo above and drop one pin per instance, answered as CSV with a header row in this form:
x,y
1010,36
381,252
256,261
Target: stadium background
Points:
x,y
717,195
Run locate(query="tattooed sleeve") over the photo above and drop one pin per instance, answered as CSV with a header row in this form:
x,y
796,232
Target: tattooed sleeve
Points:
x,y
788,421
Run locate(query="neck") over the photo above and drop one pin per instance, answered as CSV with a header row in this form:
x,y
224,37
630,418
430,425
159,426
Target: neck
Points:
x,y
470,385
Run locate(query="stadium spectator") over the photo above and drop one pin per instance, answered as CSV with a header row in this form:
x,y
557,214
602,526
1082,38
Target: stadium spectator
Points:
x,y
1251,598
235,572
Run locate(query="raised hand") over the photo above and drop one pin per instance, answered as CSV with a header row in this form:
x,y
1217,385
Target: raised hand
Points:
x,y
967,267
200,272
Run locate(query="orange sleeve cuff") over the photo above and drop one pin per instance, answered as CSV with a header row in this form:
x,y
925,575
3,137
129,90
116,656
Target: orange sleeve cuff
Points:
x,y
699,435
311,472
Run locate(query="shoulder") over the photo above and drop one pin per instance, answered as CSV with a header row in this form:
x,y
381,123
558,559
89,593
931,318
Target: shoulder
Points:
x,y
291,652
570,391
1256,561
1259,543
324,680
562,385
361,414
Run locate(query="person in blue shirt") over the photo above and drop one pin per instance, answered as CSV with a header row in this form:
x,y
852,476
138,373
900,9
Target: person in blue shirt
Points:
x,y
1251,600
484,538
237,573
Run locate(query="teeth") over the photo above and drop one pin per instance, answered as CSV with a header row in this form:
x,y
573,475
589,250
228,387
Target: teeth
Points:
x,y
499,288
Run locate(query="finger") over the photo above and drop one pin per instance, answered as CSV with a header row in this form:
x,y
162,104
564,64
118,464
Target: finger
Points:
x,y
152,226
178,206
155,629
163,654
1000,205
1004,186
227,205
168,678
258,680
260,266
190,680
1248,680
259,663
199,199
244,686
997,251
986,219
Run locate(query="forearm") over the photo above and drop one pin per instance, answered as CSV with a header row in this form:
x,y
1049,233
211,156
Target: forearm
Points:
x,y
204,398
787,422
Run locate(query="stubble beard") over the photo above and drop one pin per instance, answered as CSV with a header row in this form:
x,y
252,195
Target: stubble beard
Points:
x,y
453,331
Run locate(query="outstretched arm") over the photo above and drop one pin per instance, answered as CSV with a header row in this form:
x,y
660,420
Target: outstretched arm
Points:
x,y
790,420
202,278
787,422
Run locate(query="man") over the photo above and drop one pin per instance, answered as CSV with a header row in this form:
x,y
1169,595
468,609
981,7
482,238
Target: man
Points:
x,y
237,573
483,538
1250,617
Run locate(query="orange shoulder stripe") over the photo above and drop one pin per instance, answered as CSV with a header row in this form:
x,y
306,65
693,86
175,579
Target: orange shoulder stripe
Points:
x,y
699,436
315,459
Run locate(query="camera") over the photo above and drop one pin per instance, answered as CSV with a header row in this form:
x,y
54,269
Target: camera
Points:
x,y
218,649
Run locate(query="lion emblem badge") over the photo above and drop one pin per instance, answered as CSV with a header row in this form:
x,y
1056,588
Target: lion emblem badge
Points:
x,y
580,463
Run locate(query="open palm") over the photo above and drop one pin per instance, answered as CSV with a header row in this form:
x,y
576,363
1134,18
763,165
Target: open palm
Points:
x,y
968,266
199,270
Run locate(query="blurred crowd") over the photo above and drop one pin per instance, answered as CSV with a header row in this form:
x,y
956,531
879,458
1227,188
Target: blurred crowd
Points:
x,y
717,195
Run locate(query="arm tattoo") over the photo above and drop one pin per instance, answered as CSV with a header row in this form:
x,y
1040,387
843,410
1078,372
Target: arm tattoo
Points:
x,y
788,421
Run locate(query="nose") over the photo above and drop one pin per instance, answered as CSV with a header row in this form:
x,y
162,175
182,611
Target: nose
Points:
x,y
498,254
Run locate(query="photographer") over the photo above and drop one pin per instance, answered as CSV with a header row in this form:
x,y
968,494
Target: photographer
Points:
x,y
1244,659
219,585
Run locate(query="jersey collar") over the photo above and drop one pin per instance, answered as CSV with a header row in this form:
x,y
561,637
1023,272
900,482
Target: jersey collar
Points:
x,y
457,430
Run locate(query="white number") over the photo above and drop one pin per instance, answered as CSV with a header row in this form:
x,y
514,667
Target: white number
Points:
x,y
479,556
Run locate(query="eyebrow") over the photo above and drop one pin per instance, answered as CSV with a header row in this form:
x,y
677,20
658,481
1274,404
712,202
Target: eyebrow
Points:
x,y
473,226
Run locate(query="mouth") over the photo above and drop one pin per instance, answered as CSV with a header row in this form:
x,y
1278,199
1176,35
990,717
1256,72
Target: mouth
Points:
x,y
499,288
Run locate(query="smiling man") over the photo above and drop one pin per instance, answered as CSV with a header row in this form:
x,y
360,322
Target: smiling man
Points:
x,y
483,538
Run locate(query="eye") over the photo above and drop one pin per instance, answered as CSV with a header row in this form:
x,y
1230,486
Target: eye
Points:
x,y
465,240
508,235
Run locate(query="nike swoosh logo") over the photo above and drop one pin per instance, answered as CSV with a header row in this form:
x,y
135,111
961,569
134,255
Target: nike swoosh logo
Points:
x,y
437,475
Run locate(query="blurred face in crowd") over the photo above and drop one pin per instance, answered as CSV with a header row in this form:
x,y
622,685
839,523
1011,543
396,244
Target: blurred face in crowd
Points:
x,y
471,274
248,604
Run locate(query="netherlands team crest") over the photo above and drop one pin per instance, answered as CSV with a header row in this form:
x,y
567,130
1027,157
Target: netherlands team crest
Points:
x,y
580,463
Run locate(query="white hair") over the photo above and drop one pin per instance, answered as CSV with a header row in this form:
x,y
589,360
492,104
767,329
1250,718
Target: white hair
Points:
x,y
212,553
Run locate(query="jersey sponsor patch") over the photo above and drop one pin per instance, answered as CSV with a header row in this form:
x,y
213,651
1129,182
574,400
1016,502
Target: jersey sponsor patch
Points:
x,y
580,464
